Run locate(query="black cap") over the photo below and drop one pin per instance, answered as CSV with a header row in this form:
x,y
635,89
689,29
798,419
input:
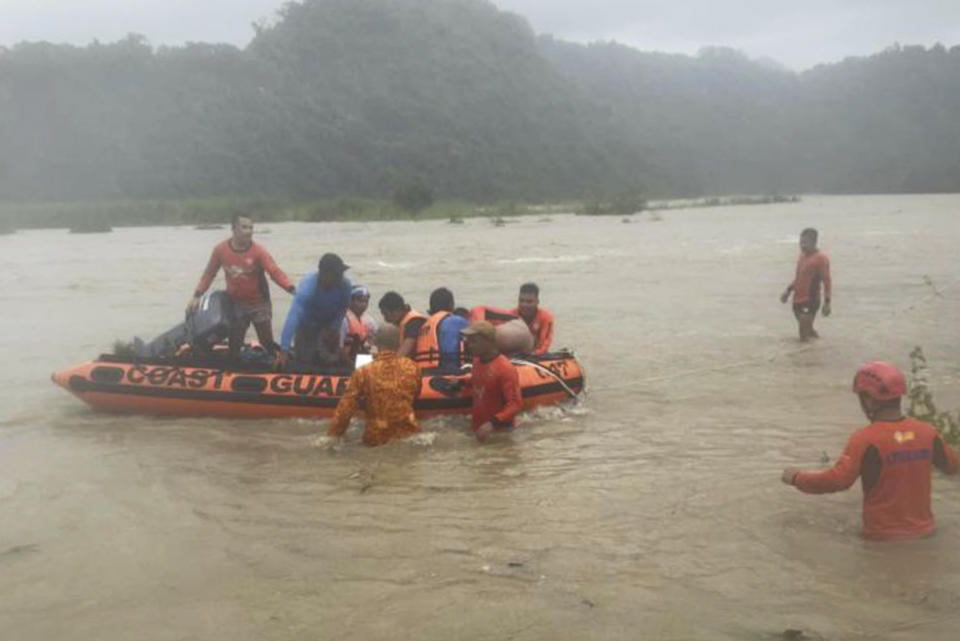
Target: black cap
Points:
x,y
331,264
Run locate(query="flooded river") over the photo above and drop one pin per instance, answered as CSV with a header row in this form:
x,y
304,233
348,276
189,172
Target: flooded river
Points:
x,y
654,510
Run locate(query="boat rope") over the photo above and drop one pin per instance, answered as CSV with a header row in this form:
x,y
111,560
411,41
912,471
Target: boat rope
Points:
x,y
545,370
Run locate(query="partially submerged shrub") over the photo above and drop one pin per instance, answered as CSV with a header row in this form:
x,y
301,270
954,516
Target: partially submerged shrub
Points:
x,y
922,406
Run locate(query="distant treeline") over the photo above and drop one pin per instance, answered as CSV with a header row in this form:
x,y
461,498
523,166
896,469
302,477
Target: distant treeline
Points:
x,y
358,98
216,212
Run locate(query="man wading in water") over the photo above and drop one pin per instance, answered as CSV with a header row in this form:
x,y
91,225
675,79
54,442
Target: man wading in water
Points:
x,y
385,389
893,457
493,381
813,268
244,263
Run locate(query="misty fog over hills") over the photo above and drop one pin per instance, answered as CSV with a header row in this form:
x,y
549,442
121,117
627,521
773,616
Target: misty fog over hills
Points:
x,y
353,97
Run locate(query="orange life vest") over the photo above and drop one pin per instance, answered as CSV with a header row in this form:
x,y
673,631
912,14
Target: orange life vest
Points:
x,y
357,333
409,316
427,352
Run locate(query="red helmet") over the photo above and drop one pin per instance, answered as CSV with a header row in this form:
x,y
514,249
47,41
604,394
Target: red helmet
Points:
x,y
880,380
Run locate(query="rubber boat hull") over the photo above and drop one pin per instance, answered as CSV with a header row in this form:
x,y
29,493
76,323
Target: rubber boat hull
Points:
x,y
114,384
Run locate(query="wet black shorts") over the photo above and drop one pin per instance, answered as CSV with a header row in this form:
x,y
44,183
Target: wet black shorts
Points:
x,y
810,307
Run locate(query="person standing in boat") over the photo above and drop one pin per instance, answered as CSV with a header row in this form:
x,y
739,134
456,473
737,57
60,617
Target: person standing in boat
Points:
x,y
244,264
813,270
893,457
493,382
314,323
538,320
359,326
397,312
385,389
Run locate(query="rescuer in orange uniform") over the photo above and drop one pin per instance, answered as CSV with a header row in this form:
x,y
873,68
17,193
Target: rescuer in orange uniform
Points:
x,y
493,382
385,389
539,320
813,270
244,263
893,457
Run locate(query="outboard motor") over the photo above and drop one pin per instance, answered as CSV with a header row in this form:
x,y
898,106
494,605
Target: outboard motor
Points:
x,y
203,329
211,323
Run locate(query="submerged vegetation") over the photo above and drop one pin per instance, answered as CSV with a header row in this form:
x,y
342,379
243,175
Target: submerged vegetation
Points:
x,y
724,201
215,213
91,227
625,203
922,406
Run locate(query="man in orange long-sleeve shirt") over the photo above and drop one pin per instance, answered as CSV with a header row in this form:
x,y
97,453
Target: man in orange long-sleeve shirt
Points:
x,y
893,457
538,320
244,263
386,389
813,270
493,381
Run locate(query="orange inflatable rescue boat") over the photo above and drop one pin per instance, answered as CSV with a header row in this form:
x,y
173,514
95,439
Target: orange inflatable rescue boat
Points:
x,y
185,372
194,387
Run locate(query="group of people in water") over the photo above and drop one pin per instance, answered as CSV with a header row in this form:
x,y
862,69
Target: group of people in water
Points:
x,y
327,324
894,454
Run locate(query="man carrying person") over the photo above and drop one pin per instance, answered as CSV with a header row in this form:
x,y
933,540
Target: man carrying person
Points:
x,y
538,320
314,322
244,263
813,268
493,382
892,456
359,326
385,389
397,312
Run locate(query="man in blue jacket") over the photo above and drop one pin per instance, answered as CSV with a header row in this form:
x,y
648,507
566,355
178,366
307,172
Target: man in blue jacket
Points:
x,y
315,319
448,331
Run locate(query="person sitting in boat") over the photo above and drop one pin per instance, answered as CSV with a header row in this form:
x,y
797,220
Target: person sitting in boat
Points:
x,y
539,320
397,312
493,382
244,263
314,323
358,326
440,343
385,389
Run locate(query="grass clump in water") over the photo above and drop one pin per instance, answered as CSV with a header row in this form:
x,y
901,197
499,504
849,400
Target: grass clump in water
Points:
x,y
922,406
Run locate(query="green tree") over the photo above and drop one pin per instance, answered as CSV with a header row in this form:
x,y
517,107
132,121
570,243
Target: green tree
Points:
x,y
413,197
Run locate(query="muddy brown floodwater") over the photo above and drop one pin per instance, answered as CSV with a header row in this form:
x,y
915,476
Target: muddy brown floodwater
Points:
x,y
652,511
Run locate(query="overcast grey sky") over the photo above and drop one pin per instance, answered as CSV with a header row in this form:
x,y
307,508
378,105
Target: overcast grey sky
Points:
x,y
799,33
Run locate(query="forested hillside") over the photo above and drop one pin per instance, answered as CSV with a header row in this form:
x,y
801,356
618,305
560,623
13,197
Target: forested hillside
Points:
x,y
358,97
